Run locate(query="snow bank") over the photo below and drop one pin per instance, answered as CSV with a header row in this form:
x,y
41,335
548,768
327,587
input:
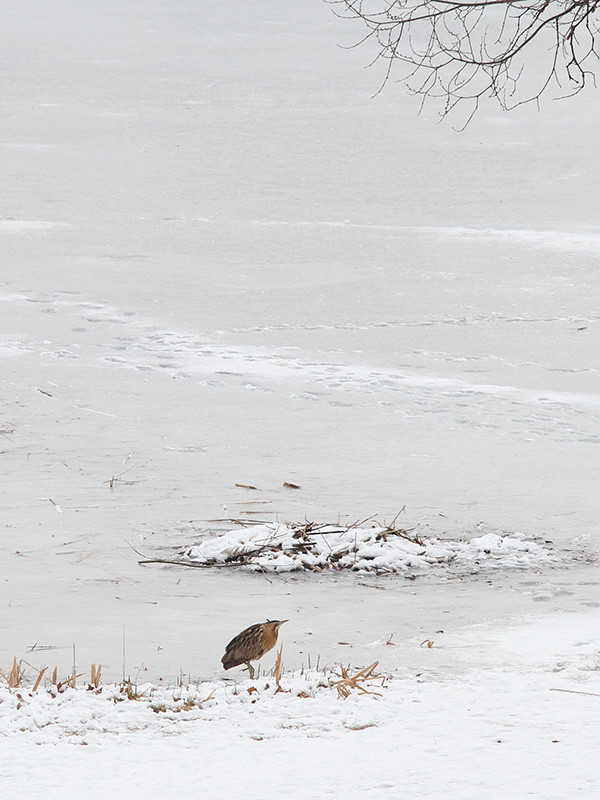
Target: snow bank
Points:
x,y
285,547
512,727
81,714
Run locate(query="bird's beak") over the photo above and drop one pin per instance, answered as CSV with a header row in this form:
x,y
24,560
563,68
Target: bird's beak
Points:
x,y
281,621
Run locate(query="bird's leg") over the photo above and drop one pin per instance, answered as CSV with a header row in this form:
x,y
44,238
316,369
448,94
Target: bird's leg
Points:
x,y
250,670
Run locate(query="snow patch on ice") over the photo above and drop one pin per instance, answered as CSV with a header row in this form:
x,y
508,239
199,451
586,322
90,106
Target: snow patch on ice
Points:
x,y
10,349
20,225
587,242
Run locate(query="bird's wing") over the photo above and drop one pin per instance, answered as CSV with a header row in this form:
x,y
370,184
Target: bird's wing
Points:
x,y
244,647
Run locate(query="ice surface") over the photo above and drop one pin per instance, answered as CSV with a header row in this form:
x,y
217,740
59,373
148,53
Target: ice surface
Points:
x,y
225,262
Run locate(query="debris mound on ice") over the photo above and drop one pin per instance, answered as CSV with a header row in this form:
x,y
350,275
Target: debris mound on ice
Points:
x,y
314,547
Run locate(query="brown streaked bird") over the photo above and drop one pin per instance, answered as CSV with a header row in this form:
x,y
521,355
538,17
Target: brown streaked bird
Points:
x,y
251,644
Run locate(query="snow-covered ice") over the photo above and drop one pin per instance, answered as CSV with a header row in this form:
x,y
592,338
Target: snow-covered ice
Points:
x,y
225,263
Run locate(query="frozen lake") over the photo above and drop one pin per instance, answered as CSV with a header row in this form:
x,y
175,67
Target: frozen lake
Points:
x,y
224,262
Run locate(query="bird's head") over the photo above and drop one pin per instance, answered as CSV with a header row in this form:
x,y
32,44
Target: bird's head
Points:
x,y
276,623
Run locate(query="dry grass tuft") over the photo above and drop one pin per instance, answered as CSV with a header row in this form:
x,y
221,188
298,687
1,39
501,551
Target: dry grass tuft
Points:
x,y
71,681
127,689
194,703
14,678
130,690
186,705
361,681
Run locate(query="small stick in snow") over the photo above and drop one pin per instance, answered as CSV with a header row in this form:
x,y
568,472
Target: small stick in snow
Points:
x,y
393,522
373,586
574,691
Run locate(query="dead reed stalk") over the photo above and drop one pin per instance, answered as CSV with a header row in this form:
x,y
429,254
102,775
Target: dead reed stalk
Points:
x,y
38,680
96,674
74,675
278,669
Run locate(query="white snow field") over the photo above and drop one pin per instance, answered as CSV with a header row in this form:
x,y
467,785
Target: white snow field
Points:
x,y
227,264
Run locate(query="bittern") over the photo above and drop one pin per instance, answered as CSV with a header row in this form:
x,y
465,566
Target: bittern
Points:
x,y
251,644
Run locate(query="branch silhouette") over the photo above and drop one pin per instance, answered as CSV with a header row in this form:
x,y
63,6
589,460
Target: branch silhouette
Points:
x,y
462,52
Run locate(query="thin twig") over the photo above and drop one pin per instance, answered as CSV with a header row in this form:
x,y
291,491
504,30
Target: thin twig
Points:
x,y
574,691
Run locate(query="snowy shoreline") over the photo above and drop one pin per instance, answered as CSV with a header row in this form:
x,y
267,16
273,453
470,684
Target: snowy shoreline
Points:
x,y
502,730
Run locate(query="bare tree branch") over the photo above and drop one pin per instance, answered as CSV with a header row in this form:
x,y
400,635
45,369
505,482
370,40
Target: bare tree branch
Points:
x,y
510,50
